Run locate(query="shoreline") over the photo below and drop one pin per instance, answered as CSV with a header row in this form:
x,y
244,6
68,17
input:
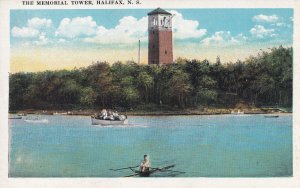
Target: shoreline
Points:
x,y
227,111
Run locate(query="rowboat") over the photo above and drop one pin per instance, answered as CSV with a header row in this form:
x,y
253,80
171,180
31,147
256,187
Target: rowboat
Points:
x,y
96,121
149,172
141,174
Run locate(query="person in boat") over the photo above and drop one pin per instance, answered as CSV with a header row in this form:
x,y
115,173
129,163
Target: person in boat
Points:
x,y
145,164
116,115
109,115
103,114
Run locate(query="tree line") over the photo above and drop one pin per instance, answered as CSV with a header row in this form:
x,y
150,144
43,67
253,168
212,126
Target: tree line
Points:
x,y
264,79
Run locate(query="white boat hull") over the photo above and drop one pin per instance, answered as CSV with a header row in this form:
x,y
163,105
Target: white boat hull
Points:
x,y
108,122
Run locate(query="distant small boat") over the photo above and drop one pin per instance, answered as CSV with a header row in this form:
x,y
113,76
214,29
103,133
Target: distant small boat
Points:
x,y
237,113
22,114
96,121
60,113
271,116
14,117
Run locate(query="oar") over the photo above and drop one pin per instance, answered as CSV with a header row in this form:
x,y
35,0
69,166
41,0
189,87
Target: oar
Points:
x,y
164,168
124,168
173,171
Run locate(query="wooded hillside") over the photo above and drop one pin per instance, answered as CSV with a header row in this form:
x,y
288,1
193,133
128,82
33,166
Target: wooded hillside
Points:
x,y
264,79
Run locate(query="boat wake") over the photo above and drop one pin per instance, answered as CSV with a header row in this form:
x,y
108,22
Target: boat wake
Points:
x,y
36,121
122,126
238,115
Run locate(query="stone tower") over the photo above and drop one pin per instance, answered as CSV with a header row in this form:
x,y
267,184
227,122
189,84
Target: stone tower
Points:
x,y
160,45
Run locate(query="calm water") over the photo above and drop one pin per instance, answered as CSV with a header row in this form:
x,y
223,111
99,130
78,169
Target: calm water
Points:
x,y
201,146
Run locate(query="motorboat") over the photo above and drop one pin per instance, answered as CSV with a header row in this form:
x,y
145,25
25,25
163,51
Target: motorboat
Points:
x,y
99,121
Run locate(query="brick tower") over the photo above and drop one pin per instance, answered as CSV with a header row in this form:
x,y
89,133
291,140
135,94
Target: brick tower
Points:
x,y
160,45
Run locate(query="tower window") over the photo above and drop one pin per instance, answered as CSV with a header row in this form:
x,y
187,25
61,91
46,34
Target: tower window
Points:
x,y
154,21
166,52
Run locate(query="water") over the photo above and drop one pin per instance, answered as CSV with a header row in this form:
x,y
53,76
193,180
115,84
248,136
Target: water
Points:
x,y
200,146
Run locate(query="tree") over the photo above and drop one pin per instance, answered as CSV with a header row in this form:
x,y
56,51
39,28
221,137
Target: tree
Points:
x,y
264,79
129,94
88,97
145,83
19,84
103,83
179,87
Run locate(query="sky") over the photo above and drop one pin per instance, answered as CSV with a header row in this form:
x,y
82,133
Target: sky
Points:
x,y
65,39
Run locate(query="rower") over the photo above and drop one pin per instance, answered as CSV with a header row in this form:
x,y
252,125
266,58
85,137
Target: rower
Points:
x,y
145,164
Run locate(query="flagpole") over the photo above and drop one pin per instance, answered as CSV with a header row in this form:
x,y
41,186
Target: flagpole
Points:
x,y
139,53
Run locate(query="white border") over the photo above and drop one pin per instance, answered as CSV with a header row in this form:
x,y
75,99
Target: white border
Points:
x,y
288,182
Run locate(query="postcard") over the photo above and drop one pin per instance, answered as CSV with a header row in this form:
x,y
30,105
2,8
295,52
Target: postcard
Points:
x,y
113,93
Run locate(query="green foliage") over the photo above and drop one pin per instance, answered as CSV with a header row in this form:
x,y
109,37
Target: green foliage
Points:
x,y
266,79
88,97
178,88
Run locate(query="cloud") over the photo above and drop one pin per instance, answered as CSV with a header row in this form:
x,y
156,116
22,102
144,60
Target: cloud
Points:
x,y
280,24
76,27
38,23
42,40
223,38
260,31
61,40
265,18
24,32
33,28
184,28
129,29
